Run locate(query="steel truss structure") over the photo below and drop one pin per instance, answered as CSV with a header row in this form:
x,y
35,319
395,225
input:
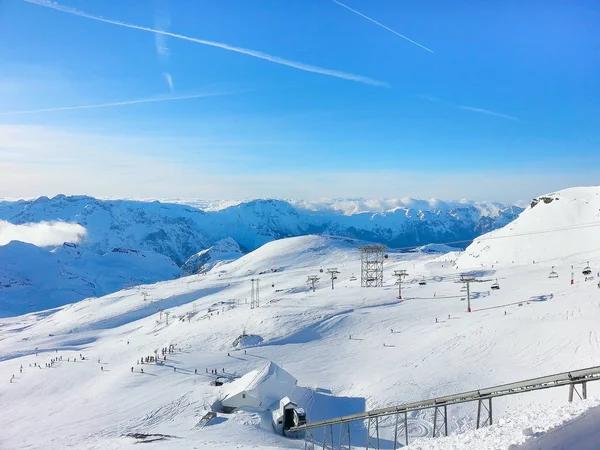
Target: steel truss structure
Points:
x,y
341,426
371,265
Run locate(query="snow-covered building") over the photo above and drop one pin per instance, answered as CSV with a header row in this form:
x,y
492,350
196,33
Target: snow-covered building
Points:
x,y
258,389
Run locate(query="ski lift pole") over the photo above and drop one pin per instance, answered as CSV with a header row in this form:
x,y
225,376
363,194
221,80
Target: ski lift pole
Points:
x,y
468,297
399,274
333,272
467,280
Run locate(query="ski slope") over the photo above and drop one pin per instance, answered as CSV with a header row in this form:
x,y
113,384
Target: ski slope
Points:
x,y
351,349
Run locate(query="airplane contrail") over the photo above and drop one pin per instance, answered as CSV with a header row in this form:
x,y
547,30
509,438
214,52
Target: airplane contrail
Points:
x,y
244,51
106,105
487,111
382,25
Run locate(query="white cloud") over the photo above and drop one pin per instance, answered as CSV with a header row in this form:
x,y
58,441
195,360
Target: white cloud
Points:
x,y
169,80
162,22
356,206
161,46
42,234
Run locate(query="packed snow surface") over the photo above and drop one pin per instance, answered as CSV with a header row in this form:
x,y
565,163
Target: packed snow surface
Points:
x,y
351,349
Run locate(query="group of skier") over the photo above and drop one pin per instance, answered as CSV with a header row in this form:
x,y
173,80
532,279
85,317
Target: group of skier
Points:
x,y
143,360
50,364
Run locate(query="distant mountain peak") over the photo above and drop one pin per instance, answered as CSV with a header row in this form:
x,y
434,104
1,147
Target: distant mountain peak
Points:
x,y
180,231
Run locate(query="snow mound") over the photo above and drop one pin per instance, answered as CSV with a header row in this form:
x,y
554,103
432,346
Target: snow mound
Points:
x,y
280,255
247,340
555,228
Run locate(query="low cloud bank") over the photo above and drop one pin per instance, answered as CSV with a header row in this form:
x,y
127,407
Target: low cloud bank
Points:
x,y
42,234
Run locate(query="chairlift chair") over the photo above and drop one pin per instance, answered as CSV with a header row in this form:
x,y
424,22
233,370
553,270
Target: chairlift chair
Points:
x,y
553,274
495,286
587,270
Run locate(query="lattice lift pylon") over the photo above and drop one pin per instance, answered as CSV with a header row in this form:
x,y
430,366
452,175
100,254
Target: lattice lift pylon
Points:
x,y
371,265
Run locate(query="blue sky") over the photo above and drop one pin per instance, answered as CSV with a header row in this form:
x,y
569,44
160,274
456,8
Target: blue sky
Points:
x,y
501,104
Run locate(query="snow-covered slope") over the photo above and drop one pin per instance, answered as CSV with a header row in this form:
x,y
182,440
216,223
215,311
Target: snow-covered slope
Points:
x,y
223,251
350,349
561,228
180,231
34,279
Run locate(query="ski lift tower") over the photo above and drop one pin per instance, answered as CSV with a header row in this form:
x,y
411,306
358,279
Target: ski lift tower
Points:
x,y
313,280
400,274
254,294
467,280
333,272
371,265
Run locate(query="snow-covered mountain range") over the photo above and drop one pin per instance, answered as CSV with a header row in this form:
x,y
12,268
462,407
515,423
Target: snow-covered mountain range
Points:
x,y
121,243
180,231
